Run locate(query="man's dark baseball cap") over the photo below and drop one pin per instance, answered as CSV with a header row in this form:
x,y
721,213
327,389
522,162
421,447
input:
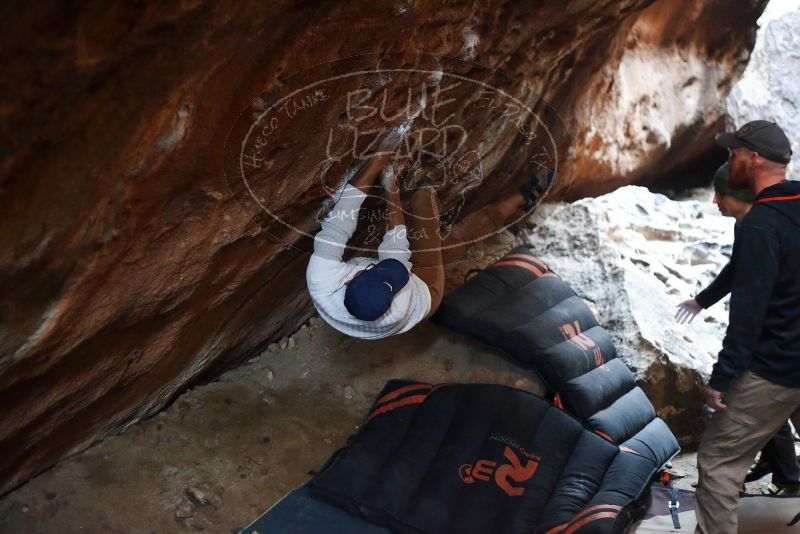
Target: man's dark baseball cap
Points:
x,y
764,137
369,295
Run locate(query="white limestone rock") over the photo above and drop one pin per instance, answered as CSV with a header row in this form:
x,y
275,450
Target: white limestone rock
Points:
x,y
636,255
769,87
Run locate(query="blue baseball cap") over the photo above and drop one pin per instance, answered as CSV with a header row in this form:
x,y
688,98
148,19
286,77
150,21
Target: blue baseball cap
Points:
x,y
369,295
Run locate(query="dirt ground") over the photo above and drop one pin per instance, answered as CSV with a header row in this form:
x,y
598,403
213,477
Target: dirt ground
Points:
x,y
224,452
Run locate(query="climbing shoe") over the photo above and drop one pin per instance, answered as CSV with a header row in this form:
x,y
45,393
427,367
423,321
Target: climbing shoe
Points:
x,y
757,470
534,189
780,490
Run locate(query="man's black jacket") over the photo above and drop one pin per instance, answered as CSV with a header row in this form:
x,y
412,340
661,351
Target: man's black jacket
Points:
x,y
763,333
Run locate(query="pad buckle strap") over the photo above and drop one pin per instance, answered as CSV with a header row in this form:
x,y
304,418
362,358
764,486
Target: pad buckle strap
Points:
x,y
673,508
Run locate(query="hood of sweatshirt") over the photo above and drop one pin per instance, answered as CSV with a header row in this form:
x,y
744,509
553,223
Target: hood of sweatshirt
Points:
x,y
784,197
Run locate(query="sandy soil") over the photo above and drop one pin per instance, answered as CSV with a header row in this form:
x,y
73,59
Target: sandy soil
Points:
x,y
226,451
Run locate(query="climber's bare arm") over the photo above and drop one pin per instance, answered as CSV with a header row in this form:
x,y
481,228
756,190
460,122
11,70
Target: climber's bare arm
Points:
x,y
366,175
392,193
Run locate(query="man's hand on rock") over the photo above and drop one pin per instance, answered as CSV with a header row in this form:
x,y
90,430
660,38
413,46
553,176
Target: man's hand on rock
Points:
x,y
687,310
714,399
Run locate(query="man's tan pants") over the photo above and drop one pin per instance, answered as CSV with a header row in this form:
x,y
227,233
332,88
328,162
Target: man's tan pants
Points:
x,y
756,409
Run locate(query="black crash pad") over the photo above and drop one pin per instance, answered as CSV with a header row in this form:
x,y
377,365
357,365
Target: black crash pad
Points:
x,y
519,305
483,458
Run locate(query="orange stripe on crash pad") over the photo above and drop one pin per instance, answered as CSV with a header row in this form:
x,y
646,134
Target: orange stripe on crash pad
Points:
x,y
606,436
600,515
533,259
522,264
628,449
399,391
558,529
413,399
595,508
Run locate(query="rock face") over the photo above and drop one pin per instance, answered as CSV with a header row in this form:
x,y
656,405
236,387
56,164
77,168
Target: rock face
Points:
x,y
634,256
139,258
768,88
649,112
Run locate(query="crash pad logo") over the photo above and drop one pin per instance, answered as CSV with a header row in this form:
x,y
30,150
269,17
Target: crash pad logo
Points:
x,y
572,333
507,476
455,125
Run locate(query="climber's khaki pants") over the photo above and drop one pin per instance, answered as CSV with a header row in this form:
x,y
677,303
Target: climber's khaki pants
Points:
x,y
756,409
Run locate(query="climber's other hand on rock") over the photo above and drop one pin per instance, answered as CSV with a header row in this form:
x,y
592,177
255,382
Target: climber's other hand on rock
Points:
x,y
389,178
393,138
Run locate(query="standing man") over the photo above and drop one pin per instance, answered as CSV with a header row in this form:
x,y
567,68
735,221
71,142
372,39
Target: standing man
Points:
x,y
778,455
734,203
755,384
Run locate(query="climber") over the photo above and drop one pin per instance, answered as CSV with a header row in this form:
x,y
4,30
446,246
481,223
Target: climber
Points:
x,y
755,384
371,299
778,456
